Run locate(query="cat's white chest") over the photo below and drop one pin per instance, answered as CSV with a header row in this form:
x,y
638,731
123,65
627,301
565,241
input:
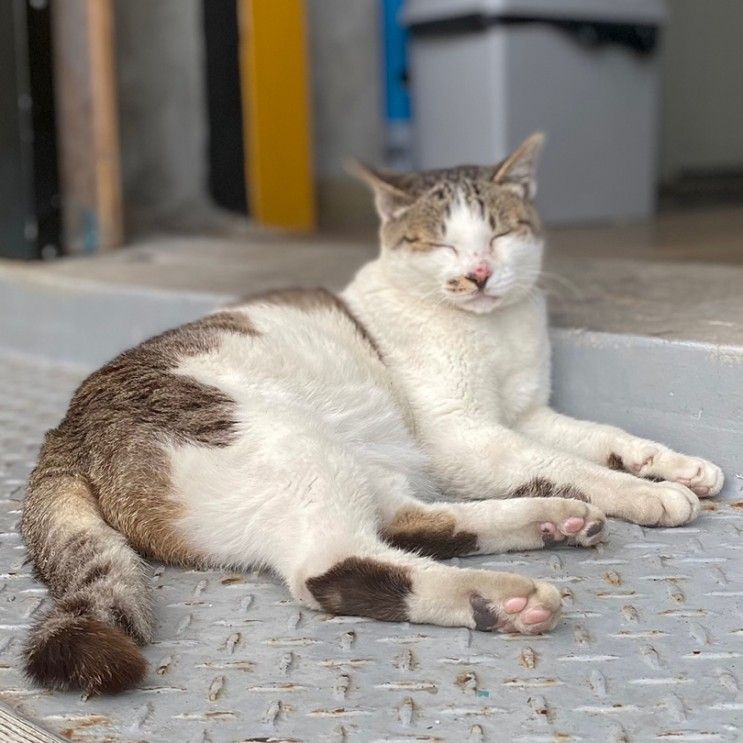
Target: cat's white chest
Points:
x,y
509,361
466,366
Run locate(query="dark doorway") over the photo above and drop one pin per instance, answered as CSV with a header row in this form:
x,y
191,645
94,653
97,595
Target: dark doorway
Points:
x,y
29,180
224,101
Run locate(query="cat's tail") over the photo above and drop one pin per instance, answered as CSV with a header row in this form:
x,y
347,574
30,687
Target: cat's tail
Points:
x,y
102,608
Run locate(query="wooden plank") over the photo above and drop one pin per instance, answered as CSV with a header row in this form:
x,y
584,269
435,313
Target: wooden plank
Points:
x,y
15,729
88,124
276,105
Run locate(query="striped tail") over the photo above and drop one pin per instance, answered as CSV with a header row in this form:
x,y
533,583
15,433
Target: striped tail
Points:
x,y
102,609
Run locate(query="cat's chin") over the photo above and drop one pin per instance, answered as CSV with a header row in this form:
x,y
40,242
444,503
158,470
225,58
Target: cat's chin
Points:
x,y
480,304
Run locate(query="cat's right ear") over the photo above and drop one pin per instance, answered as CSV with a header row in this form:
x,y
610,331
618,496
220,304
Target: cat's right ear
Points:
x,y
389,198
518,171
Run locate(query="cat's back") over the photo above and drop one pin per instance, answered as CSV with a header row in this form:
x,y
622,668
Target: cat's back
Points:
x,y
299,341
302,345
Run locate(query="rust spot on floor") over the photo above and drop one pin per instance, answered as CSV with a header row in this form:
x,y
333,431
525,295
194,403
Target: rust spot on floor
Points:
x,y
228,580
81,723
613,578
466,681
528,658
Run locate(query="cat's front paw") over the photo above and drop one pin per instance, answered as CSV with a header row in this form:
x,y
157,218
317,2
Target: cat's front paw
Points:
x,y
651,460
703,477
658,504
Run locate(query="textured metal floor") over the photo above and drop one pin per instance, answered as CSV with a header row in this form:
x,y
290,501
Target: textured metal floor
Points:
x,y
650,647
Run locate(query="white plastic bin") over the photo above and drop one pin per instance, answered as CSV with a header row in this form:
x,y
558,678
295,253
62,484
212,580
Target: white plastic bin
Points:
x,y
486,73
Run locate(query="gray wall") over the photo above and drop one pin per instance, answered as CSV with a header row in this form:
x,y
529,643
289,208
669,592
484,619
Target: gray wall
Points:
x,y
703,86
161,107
346,85
347,104
163,120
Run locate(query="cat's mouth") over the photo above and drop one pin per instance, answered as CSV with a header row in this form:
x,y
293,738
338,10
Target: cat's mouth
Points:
x,y
468,294
483,292
479,301
480,294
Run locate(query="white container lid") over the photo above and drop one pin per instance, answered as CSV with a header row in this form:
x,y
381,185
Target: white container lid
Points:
x,y
647,12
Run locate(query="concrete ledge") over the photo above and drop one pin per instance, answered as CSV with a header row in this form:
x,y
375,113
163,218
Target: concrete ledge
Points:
x,y
88,323
686,395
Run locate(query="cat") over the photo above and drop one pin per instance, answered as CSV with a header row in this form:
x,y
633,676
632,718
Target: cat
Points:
x,y
345,442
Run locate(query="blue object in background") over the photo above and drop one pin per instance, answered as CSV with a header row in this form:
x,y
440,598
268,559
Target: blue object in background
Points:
x,y
395,43
397,97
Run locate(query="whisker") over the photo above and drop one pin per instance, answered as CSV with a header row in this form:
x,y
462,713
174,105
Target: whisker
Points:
x,y
567,284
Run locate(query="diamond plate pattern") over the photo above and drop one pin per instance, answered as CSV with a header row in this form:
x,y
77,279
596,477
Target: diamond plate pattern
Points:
x,y
650,647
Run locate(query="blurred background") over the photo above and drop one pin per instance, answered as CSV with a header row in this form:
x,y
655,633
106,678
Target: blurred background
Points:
x,y
123,118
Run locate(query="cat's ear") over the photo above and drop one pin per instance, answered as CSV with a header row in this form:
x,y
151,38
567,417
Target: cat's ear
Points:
x,y
518,170
390,198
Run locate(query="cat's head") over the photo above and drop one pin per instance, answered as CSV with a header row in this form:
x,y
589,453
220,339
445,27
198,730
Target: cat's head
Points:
x,y
469,236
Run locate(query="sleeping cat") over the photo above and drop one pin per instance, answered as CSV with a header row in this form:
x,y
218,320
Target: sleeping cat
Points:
x,y
311,433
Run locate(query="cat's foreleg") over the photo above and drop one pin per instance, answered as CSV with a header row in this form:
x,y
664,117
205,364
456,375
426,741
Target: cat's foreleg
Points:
x,y
444,530
618,449
496,462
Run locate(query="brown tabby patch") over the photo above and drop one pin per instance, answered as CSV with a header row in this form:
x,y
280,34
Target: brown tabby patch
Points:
x,y
540,487
429,534
307,300
93,575
108,450
615,462
364,587
104,466
422,227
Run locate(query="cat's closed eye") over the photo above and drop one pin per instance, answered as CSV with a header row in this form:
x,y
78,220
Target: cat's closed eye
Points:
x,y
521,229
423,246
443,246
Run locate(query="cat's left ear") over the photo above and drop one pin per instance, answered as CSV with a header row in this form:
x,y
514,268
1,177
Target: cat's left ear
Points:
x,y
518,170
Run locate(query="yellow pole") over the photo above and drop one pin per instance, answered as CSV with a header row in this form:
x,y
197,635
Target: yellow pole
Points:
x,y
276,112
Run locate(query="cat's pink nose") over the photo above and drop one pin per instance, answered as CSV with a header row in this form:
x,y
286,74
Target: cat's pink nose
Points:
x,y
480,275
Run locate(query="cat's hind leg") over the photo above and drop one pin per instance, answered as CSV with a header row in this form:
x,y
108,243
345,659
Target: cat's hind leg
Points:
x,y
317,526
339,564
443,530
387,584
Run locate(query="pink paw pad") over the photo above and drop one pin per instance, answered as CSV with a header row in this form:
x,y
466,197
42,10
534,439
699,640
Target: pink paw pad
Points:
x,y
537,616
572,525
514,605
